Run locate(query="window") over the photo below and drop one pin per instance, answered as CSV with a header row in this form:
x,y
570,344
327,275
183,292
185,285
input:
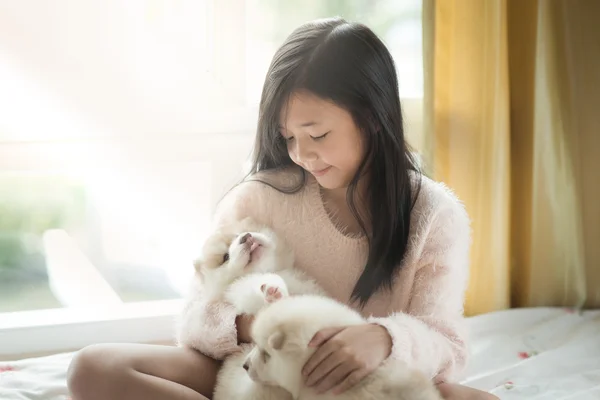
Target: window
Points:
x,y
123,123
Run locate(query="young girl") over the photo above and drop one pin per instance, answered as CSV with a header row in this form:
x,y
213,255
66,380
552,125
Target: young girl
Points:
x,y
333,176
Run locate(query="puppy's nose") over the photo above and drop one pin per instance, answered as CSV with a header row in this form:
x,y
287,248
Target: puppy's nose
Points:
x,y
246,365
244,238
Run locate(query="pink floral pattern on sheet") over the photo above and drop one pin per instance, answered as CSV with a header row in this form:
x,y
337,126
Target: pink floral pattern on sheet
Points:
x,y
4,373
573,310
551,351
6,368
527,354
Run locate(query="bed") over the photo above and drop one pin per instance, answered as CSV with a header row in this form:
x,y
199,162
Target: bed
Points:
x,y
536,353
540,353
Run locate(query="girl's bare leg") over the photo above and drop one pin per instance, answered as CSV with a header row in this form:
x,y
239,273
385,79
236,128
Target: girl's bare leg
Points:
x,y
147,372
452,391
141,372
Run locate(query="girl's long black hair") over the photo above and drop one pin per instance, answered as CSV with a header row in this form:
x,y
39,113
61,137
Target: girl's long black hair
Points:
x,y
348,64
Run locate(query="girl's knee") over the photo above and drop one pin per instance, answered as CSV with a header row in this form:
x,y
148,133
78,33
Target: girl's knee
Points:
x,y
94,370
451,391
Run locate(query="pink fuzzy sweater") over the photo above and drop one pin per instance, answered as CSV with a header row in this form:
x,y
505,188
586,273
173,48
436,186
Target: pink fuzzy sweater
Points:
x,y
424,311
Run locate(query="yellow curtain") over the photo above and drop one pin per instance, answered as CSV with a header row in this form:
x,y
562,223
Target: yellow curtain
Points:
x,y
512,93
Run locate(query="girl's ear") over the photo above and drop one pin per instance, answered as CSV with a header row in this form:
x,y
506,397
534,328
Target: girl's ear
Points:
x,y
371,123
374,123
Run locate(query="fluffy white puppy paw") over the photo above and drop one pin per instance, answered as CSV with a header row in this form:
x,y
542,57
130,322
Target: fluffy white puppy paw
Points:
x,y
273,292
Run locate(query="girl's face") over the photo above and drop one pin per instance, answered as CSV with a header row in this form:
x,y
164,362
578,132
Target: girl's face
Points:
x,y
322,138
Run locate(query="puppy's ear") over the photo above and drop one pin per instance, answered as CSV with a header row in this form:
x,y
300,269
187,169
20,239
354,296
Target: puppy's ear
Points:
x,y
277,340
281,341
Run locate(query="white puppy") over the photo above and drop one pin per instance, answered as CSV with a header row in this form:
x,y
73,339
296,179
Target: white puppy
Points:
x,y
249,266
233,382
282,332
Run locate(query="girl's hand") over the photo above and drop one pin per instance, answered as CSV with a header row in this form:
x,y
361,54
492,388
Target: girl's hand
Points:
x,y
346,355
243,324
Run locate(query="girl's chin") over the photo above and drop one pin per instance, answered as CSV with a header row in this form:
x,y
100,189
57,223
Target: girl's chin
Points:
x,y
331,183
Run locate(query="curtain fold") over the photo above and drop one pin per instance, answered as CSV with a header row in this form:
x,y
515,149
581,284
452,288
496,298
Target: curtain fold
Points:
x,y
510,125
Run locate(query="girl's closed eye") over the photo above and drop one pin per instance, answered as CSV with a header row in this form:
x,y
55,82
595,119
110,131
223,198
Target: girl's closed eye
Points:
x,y
322,136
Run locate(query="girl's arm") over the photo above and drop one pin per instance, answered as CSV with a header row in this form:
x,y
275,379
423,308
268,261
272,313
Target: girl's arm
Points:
x,y
243,324
212,327
430,335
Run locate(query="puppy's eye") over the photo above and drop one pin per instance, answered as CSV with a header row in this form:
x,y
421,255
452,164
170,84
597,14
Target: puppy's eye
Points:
x,y
265,356
225,257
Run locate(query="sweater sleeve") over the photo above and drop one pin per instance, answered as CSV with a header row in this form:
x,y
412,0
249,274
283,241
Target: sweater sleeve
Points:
x,y
210,326
431,335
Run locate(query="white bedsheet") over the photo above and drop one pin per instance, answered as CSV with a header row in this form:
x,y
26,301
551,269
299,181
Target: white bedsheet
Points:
x,y
536,354
35,378
540,353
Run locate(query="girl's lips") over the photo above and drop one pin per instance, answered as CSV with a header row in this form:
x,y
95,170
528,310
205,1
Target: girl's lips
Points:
x,y
321,172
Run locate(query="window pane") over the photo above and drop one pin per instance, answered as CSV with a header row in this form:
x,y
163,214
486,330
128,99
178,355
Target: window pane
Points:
x,y
107,68
104,235
397,23
29,205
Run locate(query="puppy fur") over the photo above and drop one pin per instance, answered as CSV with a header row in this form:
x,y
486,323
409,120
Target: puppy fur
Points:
x,y
233,382
282,332
248,266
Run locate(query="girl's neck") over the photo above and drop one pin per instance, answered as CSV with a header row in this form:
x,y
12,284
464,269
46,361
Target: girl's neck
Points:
x,y
336,204
334,196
